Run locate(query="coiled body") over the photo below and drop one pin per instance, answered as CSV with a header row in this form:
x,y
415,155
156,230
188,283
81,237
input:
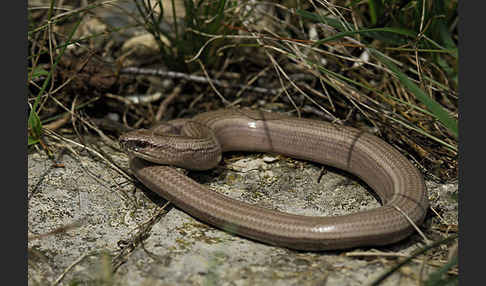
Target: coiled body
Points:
x,y
395,180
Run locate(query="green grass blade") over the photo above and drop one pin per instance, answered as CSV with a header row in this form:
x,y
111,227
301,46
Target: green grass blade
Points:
x,y
437,278
376,8
385,275
35,128
34,122
374,33
366,32
439,112
318,18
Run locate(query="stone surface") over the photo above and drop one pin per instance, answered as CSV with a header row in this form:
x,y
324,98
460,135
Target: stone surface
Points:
x,y
110,231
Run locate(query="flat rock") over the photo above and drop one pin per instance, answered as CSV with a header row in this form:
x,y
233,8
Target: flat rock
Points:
x,y
108,230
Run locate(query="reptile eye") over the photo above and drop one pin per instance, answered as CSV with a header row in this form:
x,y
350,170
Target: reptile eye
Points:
x,y
140,144
134,145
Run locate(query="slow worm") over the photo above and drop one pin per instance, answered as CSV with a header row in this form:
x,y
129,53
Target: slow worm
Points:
x,y
197,143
